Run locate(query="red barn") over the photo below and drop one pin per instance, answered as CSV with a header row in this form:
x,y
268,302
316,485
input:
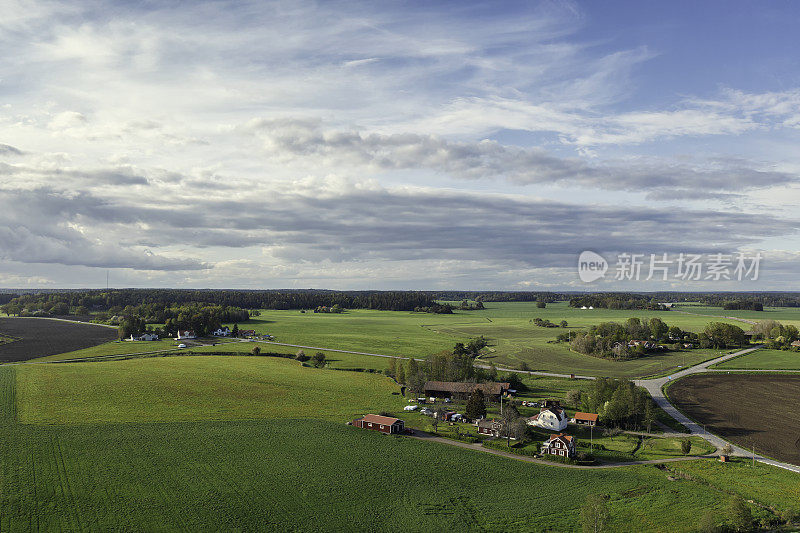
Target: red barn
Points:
x,y
384,424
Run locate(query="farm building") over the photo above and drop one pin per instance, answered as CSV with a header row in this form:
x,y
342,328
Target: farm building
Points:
x,y
796,344
454,389
553,417
490,426
562,445
186,334
247,332
585,419
384,424
222,332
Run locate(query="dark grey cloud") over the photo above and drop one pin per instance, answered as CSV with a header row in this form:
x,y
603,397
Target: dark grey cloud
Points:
x,y
44,226
6,149
525,166
413,225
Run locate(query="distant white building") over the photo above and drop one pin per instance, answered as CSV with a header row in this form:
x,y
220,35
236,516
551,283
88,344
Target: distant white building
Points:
x,y
186,334
553,418
144,337
222,332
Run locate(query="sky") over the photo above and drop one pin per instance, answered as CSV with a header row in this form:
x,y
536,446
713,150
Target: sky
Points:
x,y
397,145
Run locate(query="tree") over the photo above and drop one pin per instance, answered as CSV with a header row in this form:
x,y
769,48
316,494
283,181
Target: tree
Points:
x,y
401,374
256,350
476,406
574,398
649,415
541,305
392,369
235,330
739,515
686,446
563,324
509,417
319,359
727,449
301,356
594,513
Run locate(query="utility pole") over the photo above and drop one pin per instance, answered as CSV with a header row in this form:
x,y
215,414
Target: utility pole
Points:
x,y
754,455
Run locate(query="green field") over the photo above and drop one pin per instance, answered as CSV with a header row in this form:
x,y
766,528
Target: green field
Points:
x,y
763,359
197,388
513,339
66,472
508,327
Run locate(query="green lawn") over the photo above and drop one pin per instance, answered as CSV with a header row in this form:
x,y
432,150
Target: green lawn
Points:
x,y
764,359
196,388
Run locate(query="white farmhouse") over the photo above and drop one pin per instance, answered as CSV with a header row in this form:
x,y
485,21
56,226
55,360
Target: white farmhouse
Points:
x,y
222,332
553,418
186,335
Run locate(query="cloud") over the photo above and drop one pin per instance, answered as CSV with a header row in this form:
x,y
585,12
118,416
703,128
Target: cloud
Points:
x,y
9,150
305,140
47,226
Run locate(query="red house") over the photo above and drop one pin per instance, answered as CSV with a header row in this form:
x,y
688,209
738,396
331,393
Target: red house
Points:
x,y
562,445
586,419
384,424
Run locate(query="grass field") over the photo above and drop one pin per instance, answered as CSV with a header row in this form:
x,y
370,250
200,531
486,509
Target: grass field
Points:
x,y
197,388
290,475
764,359
508,326
747,409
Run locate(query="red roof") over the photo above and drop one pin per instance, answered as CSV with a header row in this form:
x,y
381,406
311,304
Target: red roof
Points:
x,y
378,419
560,436
586,416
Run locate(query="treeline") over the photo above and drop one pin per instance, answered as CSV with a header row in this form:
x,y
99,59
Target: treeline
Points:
x,y
501,296
637,338
749,305
617,301
104,300
200,318
776,335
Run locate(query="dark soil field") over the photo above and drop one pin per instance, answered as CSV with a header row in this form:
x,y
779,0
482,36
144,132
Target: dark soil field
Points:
x,y
761,410
39,337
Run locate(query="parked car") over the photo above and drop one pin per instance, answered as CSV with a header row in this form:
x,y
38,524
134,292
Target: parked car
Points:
x,y
427,412
181,346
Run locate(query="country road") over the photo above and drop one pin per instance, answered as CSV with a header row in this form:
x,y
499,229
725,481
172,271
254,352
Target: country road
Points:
x,y
421,435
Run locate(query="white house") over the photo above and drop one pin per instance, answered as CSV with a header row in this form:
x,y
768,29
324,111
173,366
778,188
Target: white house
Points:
x,y
553,418
186,334
222,332
144,337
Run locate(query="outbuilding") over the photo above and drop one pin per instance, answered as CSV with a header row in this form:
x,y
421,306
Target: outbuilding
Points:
x,y
384,424
585,419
